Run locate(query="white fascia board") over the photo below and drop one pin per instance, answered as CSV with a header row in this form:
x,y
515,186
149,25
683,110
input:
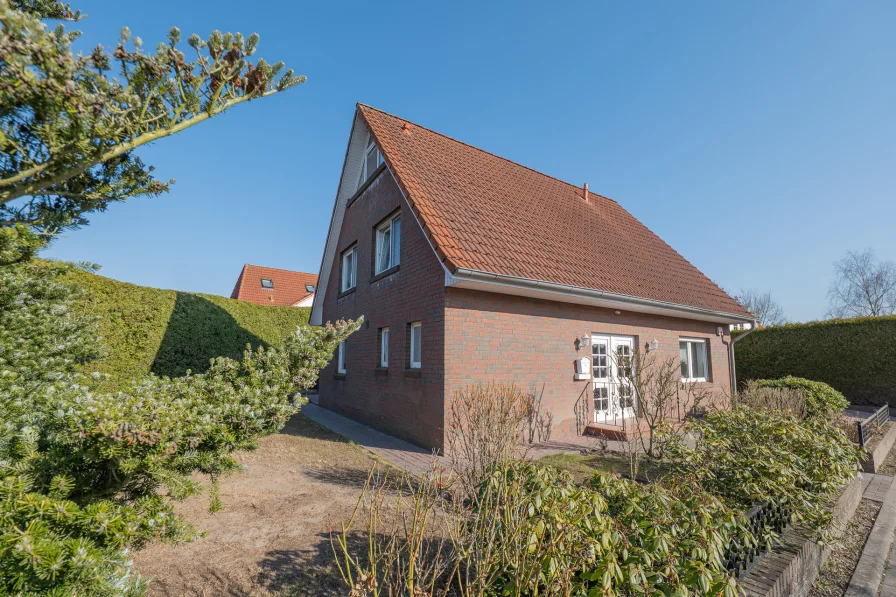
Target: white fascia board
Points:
x,y
308,301
348,184
539,289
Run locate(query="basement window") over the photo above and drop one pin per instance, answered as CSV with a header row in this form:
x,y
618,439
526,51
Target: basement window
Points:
x,y
693,359
267,283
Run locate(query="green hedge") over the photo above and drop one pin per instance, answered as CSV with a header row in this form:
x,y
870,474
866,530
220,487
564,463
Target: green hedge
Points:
x,y
855,356
167,332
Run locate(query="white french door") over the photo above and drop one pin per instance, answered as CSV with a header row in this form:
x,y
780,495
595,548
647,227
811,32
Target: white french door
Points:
x,y
611,369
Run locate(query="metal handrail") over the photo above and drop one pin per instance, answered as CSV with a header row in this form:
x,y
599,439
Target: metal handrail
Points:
x,y
880,416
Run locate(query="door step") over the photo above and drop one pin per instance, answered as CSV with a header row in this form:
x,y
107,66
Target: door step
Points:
x,y
616,432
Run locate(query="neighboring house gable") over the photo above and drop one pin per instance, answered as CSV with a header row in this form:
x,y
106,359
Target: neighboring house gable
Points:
x,y
273,286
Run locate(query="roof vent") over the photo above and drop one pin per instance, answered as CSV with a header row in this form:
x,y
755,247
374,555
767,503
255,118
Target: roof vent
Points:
x,y
406,127
586,191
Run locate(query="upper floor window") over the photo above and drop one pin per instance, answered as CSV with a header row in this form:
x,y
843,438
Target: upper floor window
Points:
x,y
309,287
372,160
388,244
267,283
693,359
349,269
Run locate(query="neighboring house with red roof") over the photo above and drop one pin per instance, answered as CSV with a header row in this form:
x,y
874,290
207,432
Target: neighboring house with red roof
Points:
x,y
272,286
468,267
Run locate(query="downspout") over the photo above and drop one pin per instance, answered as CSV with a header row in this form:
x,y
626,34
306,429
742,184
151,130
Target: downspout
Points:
x,y
740,337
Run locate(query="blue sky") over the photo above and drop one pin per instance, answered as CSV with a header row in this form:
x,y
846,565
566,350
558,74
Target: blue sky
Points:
x,y
758,139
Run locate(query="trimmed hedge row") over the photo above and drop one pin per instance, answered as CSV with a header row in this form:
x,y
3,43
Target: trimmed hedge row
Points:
x,y
167,332
855,356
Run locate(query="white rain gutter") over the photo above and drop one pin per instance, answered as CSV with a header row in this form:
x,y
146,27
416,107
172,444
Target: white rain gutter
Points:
x,y
740,337
591,294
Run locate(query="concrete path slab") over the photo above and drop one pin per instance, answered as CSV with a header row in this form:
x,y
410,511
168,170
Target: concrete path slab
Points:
x,y
398,452
877,487
869,573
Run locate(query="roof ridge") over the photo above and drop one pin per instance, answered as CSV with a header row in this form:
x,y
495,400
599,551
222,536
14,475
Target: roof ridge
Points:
x,y
292,271
479,149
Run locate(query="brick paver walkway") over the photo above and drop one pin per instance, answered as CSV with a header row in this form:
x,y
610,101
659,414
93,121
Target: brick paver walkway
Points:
x,y
398,452
877,486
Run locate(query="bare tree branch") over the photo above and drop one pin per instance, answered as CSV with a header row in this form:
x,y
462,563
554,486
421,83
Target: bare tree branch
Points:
x,y
863,286
761,304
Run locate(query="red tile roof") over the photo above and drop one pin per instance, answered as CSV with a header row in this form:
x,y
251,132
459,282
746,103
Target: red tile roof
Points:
x,y
485,213
289,286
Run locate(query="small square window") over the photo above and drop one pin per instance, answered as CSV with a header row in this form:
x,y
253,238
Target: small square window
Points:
x,y
416,340
267,283
309,287
384,347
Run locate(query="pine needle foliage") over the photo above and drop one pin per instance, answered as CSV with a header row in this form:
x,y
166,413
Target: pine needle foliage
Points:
x,y
69,124
87,475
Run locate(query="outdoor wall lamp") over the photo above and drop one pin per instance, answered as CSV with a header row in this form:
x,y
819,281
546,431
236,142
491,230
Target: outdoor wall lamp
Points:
x,y
655,345
584,341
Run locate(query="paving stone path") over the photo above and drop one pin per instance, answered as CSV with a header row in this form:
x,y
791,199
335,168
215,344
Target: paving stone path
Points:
x,y
398,452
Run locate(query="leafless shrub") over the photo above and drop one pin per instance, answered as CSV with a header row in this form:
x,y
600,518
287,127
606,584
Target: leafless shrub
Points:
x,y
540,421
428,543
783,399
486,423
662,397
407,535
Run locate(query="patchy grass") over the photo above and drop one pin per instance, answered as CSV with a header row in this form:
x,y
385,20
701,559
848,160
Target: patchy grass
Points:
x,y
582,466
834,577
272,536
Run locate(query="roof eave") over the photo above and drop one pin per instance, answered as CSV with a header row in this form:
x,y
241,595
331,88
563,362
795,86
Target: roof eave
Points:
x,y
479,280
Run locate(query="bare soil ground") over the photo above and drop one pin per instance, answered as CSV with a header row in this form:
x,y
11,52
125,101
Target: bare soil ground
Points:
x,y
272,536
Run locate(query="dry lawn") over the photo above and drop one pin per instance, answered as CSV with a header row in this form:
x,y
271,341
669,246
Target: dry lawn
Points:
x,y
272,536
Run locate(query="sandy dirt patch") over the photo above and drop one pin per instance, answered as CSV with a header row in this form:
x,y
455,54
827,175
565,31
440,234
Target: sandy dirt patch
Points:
x,y
272,536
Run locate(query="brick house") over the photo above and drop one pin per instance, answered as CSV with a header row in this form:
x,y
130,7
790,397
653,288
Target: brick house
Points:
x,y
273,286
468,267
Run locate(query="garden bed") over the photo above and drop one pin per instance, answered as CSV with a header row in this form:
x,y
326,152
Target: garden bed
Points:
x,y
792,566
836,573
583,466
879,446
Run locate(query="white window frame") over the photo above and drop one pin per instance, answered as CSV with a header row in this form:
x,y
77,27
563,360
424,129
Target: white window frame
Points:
x,y
389,227
340,358
413,346
704,344
384,347
371,147
349,277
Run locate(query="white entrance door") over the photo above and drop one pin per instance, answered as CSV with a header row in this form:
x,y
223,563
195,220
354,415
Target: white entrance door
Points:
x,y
611,367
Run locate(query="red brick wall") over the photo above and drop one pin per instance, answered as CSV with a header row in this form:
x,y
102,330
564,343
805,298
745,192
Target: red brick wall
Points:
x,y
497,337
408,407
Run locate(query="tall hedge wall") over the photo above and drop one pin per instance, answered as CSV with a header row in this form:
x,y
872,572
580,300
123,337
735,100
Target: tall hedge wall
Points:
x,y
855,356
168,332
